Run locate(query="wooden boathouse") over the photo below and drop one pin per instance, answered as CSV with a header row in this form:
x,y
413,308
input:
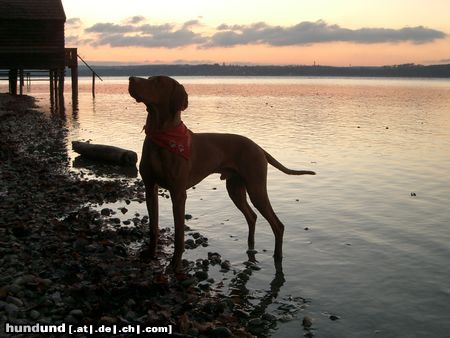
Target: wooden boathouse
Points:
x,y
32,39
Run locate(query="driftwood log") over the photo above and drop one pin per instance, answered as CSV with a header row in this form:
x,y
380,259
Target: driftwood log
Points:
x,y
105,153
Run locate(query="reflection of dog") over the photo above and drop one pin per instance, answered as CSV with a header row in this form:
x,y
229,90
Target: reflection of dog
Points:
x,y
176,159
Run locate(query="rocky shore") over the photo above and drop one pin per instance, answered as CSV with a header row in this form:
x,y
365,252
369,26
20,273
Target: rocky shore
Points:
x,y
63,261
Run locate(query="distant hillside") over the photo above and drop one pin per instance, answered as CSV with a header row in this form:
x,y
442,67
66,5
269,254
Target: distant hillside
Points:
x,y
405,70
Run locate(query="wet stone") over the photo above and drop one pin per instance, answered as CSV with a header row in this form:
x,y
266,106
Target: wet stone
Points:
x,y
106,212
204,285
201,275
14,300
307,322
334,317
189,282
225,265
241,313
11,310
34,315
189,244
214,258
76,313
221,332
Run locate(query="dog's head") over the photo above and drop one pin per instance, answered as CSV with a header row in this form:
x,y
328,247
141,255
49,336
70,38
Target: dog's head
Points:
x,y
162,92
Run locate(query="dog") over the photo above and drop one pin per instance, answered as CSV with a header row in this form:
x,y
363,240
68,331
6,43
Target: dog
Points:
x,y
175,158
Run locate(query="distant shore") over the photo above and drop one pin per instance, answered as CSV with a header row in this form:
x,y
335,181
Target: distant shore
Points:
x,y
405,70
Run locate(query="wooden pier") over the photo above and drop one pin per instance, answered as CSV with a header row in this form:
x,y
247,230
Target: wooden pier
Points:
x,y
32,42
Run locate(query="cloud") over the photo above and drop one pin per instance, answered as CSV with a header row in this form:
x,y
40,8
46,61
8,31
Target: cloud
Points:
x,y
146,35
108,28
306,32
191,23
175,39
136,33
73,22
135,19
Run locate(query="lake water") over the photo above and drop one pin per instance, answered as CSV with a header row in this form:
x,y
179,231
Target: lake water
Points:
x,y
376,252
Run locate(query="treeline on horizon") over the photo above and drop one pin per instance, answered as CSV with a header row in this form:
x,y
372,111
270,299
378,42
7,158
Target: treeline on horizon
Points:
x,y
404,70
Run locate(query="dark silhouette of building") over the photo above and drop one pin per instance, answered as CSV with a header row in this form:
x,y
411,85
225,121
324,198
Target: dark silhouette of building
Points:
x,y
32,38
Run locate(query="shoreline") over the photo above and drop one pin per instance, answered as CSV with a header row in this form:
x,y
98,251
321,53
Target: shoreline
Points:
x,y
61,263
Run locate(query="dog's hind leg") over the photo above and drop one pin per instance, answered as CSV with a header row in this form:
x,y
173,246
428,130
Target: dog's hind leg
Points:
x,y
258,195
238,194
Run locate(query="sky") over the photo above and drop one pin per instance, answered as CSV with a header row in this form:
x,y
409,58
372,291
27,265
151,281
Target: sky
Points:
x,y
272,32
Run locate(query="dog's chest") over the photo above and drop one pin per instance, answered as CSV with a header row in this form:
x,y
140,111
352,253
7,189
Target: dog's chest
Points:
x,y
158,165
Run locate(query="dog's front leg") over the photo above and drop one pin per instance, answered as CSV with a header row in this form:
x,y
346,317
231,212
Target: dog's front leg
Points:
x,y
178,197
151,198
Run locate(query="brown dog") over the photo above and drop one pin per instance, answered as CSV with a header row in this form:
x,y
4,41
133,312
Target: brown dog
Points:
x,y
179,166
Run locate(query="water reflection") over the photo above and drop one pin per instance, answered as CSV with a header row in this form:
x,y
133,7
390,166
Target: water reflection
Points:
x,y
261,318
101,169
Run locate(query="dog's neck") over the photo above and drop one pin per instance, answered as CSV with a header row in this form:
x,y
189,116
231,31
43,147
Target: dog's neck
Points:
x,y
159,121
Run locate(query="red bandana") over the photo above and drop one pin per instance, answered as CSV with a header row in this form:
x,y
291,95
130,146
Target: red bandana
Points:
x,y
177,140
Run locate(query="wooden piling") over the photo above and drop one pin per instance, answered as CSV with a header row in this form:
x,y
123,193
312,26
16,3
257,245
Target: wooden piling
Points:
x,y
21,82
12,75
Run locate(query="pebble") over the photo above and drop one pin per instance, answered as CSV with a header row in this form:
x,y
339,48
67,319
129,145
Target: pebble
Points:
x,y
189,244
269,317
204,285
214,258
116,220
241,313
14,300
189,282
201,275
307,322
34,315
106,212
71,320
76,313
11,310
221,332
225,265
107,320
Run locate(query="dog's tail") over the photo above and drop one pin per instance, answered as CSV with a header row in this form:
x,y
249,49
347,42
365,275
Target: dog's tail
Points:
x,y
282,168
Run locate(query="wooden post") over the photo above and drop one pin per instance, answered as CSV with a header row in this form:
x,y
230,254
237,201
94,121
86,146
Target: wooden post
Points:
x,y
28,81
61,82
55,85
74,71
13,81
71,61
21,82
93,85
52,92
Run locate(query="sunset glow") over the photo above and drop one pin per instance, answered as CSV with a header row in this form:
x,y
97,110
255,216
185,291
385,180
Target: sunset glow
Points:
x,y
324,32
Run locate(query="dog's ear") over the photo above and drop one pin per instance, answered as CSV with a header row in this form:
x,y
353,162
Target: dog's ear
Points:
x,y
179,99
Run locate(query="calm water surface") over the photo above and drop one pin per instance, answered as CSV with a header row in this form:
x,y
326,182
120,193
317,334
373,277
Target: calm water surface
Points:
x,y
373,255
